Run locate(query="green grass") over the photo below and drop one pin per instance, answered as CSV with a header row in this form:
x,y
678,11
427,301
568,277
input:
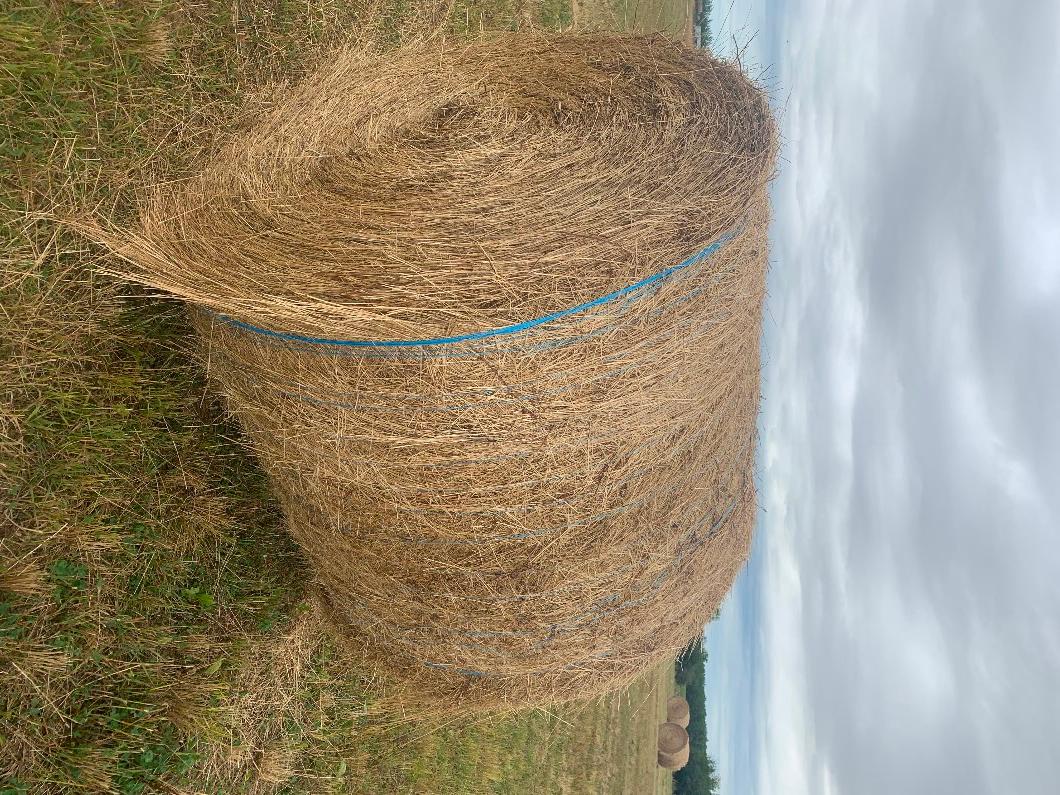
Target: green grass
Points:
x,y
673,17
155,633
297,707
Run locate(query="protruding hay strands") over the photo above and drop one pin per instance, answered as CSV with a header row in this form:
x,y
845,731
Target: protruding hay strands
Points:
x,y
518,518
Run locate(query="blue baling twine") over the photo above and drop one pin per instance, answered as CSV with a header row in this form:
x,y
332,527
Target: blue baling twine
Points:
x,y
504,331
519,328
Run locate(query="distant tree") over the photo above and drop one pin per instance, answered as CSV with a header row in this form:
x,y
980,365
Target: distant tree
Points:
x,y
701,23
689,661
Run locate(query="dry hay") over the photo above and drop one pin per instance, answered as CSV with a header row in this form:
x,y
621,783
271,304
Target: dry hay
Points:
x,y
673,746
515,518
674,761
672,738
677,711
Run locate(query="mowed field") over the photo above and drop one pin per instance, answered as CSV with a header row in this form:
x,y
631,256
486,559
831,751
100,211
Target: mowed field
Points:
x,y
673,17
156,633
293,679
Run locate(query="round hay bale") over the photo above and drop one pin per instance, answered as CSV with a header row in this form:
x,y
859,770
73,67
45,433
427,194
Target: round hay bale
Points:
x,y
677,711
673,746
681,757
674,761
489,315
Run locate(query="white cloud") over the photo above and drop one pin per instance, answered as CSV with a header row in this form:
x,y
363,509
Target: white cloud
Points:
x,y
903,591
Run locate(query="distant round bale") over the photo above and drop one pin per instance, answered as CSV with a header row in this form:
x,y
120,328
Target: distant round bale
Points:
x,y
680,759
677,711
489,312
673,746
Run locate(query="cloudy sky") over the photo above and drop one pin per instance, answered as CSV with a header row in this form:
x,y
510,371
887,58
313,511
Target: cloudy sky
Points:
x,y
898,627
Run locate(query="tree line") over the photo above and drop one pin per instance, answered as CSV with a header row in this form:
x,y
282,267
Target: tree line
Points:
x,y
701,23
699,776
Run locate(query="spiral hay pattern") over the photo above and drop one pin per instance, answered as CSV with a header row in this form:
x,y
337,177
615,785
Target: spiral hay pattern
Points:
x,y
673,746
674,761
497,518
677,711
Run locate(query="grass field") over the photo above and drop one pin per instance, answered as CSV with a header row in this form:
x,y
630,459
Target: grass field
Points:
x,y
673,17
155,631
606,746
